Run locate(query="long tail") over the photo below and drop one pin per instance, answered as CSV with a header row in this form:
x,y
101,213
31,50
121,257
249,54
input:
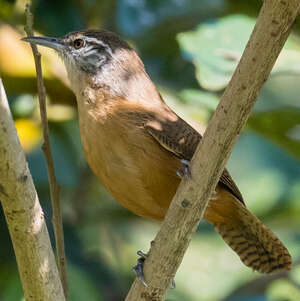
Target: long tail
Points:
x,y
257,246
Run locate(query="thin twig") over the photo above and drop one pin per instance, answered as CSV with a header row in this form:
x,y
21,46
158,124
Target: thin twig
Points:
x,y
54,186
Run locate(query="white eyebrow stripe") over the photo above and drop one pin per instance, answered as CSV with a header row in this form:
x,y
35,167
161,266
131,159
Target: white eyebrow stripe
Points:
x,y
91,52
89,48
99,42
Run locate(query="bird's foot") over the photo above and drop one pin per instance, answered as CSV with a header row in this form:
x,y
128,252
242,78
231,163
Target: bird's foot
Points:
x,y
173,285
138,269
185,169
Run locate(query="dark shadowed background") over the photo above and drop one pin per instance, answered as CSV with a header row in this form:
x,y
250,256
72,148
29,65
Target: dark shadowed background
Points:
x,y
190,49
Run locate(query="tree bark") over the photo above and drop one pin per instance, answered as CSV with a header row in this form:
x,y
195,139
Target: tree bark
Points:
x,y
24,216
186,210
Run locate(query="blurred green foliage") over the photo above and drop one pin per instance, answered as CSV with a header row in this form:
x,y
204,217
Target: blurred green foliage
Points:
x,y
190,49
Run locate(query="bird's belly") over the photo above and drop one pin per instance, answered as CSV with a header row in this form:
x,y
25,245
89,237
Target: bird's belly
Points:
x,y
145,189
135,170
143,198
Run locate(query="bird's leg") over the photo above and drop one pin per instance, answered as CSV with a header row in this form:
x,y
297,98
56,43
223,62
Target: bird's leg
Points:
x,y
138,269
185,169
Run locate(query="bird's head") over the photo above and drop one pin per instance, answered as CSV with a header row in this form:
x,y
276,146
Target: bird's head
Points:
x,y
99,55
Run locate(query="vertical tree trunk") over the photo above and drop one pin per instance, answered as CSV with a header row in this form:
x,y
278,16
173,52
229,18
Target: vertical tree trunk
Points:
x,y
24,216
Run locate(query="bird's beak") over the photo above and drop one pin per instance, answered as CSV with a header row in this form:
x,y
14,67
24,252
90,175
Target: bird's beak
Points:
x,y
54,43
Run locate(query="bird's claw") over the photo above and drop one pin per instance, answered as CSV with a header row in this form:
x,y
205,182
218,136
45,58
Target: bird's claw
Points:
x,y
173,285
185,169
138,269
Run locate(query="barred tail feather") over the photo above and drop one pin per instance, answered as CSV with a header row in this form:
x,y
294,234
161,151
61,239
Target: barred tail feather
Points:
x,y
262,250
257,246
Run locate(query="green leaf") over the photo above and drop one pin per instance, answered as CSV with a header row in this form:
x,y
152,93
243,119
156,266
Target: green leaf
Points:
x,y
23,105
197,97
210,46
216,47
295,274
281,126
283,290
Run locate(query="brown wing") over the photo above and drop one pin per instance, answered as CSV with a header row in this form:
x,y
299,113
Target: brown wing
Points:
x,y
178,137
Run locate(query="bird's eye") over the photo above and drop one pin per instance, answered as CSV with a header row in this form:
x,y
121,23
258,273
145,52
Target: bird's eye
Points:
x,y
78,43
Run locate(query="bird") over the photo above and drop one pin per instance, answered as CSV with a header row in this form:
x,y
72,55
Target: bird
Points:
x,y
139,148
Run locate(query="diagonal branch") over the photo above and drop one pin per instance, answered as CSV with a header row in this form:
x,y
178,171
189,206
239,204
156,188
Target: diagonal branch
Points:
x,y
54,186
268,37
24,216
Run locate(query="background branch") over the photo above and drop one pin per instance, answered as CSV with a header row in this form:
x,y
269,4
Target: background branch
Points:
x,y
46,147
268,37
24,216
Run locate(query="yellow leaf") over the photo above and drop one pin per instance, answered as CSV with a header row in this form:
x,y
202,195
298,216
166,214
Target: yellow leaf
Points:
x,y
16,59
30,133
